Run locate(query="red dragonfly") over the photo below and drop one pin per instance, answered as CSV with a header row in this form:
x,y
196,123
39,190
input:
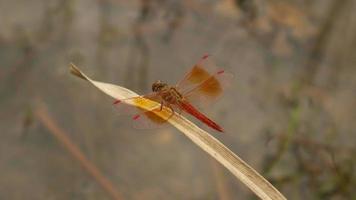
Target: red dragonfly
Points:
x,y
202,85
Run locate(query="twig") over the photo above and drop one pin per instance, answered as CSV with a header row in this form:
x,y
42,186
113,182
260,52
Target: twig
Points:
x,y
62,137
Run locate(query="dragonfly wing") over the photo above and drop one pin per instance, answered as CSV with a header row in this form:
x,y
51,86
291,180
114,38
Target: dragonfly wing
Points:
x,y
197,74
205,83
151,117
210,89
131,106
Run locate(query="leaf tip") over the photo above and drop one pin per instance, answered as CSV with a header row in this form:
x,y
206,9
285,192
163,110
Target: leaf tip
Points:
x,y
75,71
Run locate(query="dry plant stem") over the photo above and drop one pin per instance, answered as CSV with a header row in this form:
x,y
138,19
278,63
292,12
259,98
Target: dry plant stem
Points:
x,y
259,185
62,137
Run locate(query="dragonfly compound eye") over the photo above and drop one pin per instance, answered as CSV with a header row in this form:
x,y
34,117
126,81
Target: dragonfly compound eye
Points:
x,y
157,86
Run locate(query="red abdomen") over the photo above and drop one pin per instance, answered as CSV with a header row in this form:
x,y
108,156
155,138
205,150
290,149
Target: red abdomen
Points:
x,y
189,108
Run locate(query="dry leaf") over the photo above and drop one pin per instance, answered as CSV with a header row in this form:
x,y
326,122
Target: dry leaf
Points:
x,y
259,185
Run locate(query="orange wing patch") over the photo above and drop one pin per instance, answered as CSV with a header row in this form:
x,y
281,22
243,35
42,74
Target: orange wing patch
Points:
x,y
211,87
154,117
197,75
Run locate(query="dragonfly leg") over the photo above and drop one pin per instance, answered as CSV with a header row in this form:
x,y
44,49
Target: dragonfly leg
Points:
x,y
161,106
170,107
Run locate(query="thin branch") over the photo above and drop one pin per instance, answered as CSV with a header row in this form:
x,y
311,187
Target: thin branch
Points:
x,y
62,138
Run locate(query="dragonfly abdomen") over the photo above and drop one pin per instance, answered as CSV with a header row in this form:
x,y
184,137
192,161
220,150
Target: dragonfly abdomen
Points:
x,y
200,116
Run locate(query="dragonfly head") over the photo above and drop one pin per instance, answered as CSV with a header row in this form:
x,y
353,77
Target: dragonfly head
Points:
x,y
158,86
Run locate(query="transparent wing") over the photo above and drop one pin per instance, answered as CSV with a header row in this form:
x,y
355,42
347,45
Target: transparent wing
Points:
x,y
204,83
150,118
210,89
131,106
197,74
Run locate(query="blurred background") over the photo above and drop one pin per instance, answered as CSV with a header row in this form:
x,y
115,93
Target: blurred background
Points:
x,y
290,112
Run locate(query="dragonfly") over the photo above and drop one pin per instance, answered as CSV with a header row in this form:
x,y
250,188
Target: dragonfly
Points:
x,y
202,85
